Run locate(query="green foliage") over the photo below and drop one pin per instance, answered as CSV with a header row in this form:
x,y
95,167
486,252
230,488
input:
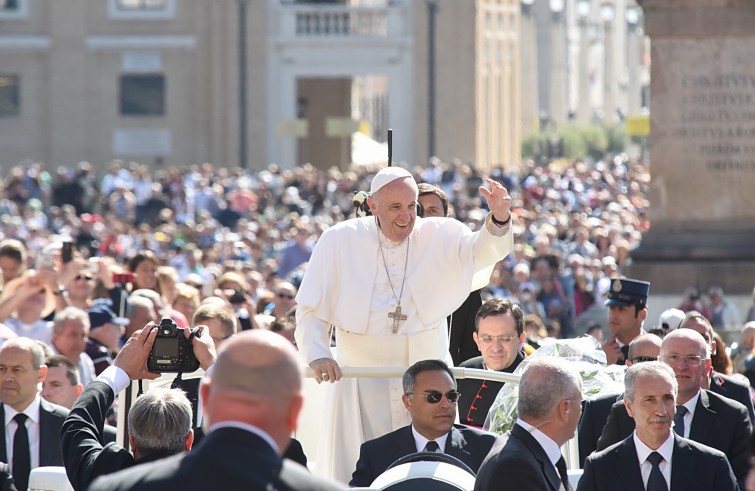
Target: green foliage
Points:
x,y
576,141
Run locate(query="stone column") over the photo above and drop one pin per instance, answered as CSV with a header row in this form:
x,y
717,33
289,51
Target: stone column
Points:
x,y
702,146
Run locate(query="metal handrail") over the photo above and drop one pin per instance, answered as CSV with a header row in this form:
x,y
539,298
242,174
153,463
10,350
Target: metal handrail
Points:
x,y
398,372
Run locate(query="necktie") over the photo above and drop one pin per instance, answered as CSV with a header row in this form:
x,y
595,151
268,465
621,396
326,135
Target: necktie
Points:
x,y
561,467
656,481
679,420
432,446
21,457
625,352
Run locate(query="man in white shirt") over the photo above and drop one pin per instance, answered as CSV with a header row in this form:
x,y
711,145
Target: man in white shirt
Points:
x,y
386,284
31,425
654,458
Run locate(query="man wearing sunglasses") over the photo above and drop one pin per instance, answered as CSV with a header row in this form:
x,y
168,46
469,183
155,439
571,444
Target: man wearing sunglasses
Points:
x,y
701,415
430,396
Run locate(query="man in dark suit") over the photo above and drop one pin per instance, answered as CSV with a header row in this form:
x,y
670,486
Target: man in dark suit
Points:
x,y
703,416
499,334
627,310
250,405
430,397
151,438
24,413
653,457
550,395
595,413
718,382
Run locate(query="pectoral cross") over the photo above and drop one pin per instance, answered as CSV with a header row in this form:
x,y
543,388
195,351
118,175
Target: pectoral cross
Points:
x,y
397,317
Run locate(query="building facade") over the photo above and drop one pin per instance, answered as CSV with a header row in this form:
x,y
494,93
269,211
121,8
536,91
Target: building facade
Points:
x,y
253,82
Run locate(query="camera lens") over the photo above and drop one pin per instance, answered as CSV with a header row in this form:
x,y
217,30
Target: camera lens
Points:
x,y
166,332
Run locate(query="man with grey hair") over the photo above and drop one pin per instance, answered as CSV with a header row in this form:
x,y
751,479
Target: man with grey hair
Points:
x,y
251,405
31,425
701,415
529,459
159,422
70,334
653,457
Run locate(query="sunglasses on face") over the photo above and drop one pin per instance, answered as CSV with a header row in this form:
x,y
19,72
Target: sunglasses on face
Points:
x,y
434,396
83,277
640,359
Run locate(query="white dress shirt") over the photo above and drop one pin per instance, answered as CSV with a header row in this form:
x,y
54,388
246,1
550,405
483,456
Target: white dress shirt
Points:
x,y
643,451
421,442
32,428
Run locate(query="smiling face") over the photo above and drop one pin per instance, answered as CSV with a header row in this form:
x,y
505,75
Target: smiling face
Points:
x,y
395,206
431,420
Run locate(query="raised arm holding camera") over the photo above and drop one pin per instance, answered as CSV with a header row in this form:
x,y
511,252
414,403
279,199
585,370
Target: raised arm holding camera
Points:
x,y
159,422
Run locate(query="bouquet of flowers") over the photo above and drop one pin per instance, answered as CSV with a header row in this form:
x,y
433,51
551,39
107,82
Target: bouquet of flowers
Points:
x,y
598,379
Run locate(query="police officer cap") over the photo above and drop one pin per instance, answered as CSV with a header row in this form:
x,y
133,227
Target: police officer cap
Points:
x,y
625,292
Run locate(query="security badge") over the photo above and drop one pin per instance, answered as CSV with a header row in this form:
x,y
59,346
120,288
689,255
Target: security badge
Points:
x,y
616,287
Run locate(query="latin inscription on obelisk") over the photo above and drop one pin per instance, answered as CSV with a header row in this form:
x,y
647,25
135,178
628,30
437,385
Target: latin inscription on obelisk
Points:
x,y
703,131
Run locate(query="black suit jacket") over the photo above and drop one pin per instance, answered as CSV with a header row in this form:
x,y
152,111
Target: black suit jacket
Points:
x,y
694,467
594,416
461,324
730,387
375,456
87,451
228,458
51,418
478,395
517,462
718,422
294,451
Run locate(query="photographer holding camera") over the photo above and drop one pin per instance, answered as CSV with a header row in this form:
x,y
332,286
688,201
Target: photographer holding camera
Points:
x,y
159,422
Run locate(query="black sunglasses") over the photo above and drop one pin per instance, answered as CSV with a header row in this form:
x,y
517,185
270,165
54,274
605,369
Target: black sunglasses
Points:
x,y
640,359
433,396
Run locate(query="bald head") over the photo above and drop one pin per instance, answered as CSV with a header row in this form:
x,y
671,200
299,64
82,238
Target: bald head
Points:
x,y
643,347
260,363
688,336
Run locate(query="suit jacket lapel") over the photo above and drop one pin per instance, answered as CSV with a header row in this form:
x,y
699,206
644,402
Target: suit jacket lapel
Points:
x,y
456,445
549,470
703,420
627,466
406,444
681,465
3,450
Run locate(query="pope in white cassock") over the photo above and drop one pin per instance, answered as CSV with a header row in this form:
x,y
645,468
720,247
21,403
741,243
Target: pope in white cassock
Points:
x,y
386,284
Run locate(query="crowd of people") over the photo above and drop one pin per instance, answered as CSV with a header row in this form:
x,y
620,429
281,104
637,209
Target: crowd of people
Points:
x,y
271,261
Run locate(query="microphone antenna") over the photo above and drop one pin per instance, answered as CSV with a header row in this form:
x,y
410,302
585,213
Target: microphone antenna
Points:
x,y
390,148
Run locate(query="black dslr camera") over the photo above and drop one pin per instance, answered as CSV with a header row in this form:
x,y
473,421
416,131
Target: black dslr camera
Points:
x,y
171,351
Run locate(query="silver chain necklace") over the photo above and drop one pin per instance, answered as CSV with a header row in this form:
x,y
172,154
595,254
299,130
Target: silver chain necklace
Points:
x,y
396,315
